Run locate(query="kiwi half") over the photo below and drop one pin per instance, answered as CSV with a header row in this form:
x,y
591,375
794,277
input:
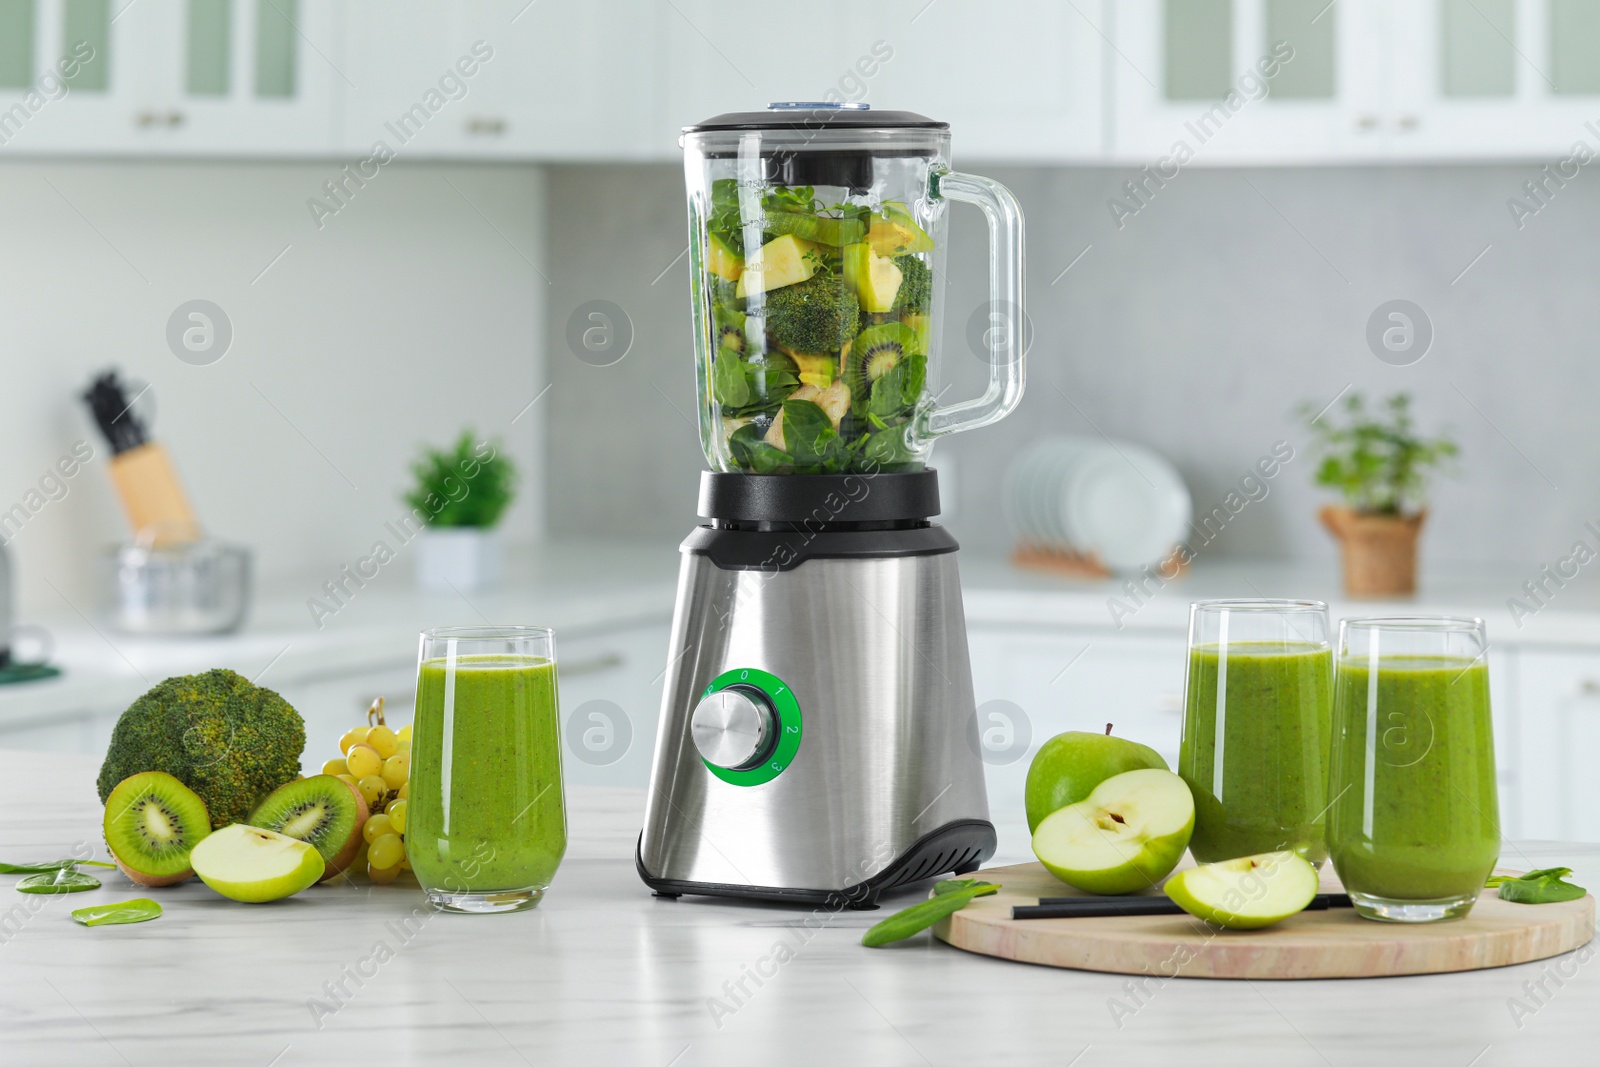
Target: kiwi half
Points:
x,y
323,811
152,821
876,351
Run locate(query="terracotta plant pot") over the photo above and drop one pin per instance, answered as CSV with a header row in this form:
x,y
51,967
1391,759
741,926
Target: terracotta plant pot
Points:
x,y
1380,551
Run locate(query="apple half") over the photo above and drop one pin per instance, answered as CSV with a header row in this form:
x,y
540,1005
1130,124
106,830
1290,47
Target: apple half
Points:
x,y
1246,893
1126,835
254,865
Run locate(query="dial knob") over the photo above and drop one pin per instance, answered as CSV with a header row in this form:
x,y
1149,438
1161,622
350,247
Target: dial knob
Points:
x,y
733,727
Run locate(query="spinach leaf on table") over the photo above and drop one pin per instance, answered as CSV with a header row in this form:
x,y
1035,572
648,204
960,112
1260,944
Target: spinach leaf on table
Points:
x,y
123,911
1547,886
63,880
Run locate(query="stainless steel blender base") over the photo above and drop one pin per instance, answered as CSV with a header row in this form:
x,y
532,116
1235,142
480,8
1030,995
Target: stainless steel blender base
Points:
x,y
886,785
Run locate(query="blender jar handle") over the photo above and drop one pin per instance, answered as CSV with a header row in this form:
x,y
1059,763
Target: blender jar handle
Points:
x,y
1004,339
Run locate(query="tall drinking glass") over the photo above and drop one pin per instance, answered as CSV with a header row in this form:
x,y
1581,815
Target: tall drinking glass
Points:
x,y
1414,823
1257,708
487,822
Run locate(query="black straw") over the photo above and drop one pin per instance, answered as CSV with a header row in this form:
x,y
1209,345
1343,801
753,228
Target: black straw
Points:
x,y
113,413
1101,907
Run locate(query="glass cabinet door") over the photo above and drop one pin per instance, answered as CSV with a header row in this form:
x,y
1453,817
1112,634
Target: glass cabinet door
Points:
x,y
66,74
1242,80
1496,78
244,77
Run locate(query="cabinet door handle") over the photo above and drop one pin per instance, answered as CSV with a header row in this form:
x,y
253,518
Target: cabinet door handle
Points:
x,y
144,119
588,666
493,127
1407,122
175,118
1366,123
1589,687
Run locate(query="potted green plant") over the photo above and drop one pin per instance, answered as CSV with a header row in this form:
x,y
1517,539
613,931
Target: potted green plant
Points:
x,y
1380,464
459,495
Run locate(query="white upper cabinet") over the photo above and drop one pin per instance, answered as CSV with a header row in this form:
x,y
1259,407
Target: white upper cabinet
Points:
x,y
214,77
1020,80
1243,80
552,79
1497,78
734,55
1159,82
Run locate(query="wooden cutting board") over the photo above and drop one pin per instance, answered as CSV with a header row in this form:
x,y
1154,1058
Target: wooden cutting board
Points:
x,y
1335,943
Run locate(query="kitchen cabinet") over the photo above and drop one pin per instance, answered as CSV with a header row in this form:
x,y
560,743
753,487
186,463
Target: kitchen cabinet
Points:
x,y
1443,79
1016,81
501,79
1496,77
1194,73
208,77
1558,740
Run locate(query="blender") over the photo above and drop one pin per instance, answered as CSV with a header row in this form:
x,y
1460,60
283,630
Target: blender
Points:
x,y
818,739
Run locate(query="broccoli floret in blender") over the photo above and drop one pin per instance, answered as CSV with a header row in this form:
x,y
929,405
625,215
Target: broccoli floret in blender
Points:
x,y
820,314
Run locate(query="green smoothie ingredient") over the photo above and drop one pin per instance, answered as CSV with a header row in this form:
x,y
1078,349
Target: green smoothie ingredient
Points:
x,y
125,911
821,328
49,867
1546,886
1414,813
61,881
917,918
486,809
1256,759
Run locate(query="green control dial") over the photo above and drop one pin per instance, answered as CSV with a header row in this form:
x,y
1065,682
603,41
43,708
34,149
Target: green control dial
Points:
x,y
774,739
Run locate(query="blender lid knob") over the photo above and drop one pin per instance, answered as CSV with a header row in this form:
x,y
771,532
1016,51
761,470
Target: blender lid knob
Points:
x,y
733,728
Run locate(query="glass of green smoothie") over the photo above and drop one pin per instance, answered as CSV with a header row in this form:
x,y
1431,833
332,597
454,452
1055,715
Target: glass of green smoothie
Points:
x,y
1257,710
1413,823
487,822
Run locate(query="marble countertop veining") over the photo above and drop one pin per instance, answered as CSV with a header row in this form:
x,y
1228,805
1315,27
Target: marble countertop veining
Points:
x,y
603,973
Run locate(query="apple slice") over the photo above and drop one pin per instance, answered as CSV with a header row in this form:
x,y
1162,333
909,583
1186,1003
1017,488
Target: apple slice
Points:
x,y
1126,835
1248,892
254,865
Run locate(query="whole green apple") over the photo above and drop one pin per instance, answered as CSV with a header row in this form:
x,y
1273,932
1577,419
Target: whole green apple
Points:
x,y
1067,767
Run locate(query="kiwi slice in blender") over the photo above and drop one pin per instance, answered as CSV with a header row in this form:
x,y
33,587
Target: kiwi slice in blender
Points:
x,y
152,821
323,811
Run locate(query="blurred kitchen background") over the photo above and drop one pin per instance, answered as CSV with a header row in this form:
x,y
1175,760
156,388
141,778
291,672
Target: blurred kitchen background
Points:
x,y
226,150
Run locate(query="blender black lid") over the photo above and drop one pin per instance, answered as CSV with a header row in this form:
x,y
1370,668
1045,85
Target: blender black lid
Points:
x,y
810,114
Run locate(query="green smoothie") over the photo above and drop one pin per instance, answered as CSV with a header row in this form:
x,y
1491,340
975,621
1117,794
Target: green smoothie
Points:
x,y
1255,756
486,812
1416,816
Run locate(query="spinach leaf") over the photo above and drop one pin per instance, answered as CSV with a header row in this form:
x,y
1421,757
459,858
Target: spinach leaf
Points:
x,y
64,880
724,222
753,454
788,197
917,918
897,390
887,450
808,433
1545,886
729,383
124,911
38,868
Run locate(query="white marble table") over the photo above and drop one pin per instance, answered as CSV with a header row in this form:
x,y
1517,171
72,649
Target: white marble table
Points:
x,y
603,973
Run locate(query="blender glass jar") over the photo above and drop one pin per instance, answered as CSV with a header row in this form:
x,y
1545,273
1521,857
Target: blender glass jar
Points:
x,y
817,250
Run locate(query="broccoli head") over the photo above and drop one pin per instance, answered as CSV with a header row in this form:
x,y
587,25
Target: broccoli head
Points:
x,y
916,286
230,741
817,315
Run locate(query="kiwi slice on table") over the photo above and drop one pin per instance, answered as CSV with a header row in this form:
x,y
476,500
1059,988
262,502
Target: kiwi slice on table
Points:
x,y
875,352
325,812
152,821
